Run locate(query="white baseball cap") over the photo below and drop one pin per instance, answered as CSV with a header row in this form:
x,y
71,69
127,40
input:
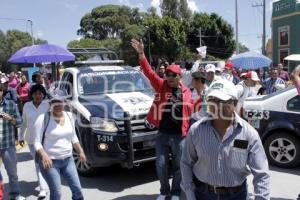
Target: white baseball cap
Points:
x,y
252,75
222,89
210,68
58,95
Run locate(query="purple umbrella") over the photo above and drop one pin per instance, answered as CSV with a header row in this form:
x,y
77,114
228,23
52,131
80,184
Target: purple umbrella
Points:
x,y
41,53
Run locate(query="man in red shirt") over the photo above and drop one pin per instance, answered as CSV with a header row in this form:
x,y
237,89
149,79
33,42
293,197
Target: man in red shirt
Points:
x,y
170,113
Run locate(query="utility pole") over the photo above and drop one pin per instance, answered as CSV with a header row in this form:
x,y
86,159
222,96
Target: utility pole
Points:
x,y
200,37
264,29
31,30
263,46
237,47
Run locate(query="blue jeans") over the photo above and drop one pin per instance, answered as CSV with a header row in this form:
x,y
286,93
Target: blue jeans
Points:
x,y
42,181
167,144
203,194
9,159
65,168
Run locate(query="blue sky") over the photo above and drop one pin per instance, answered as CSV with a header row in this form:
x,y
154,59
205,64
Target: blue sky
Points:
x,y
57,21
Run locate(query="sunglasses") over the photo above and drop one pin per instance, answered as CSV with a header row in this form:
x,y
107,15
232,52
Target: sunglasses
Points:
x,y
171,75
219,101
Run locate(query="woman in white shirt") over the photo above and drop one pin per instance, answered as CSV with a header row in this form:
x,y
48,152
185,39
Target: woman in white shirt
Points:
x,y
31,111
55,151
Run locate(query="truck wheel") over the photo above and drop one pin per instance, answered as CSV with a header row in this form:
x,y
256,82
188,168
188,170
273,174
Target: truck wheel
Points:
x,y
283,150
83,168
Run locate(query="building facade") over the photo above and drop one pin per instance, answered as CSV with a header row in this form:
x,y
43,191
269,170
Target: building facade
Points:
x,y
285,31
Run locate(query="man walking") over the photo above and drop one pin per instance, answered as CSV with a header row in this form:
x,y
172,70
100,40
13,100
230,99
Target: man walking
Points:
x,y
274,83
170,113
246,88
221,150
9,117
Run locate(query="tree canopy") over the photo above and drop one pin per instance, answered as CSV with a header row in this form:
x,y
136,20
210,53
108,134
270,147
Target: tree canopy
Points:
x,y
174,35
108,21
12,41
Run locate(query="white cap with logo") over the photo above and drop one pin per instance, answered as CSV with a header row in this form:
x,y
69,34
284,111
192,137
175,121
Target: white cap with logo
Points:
x,y
222,89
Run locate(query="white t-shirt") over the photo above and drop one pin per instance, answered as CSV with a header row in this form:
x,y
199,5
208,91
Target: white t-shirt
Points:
x,y
30,115
58,139
244,92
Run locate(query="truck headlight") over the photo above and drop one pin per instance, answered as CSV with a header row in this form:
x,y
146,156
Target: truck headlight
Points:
x,y
101,124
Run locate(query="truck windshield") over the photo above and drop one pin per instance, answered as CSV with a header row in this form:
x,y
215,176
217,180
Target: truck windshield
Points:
x,y
103,82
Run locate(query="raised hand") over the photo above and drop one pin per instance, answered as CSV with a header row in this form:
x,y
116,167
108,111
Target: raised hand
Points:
x,y
138,46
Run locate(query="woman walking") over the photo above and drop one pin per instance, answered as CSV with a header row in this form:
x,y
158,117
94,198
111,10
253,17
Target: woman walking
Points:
x,y
54,140
32,110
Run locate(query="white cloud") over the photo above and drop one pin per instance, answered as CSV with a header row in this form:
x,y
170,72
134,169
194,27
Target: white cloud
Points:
x,y
156,4
193,5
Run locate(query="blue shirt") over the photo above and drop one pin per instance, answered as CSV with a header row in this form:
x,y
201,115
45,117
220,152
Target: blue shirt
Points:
x,y
218,162
7,129
270,83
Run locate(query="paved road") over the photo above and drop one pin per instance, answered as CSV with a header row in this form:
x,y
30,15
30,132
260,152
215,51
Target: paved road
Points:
x,y
140,183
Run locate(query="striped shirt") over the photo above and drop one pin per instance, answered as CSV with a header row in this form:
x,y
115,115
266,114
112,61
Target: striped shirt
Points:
x,y
270,84
218,162
7,130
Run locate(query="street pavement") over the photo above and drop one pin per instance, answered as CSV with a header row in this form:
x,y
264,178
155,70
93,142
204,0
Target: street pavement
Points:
x,y
140,183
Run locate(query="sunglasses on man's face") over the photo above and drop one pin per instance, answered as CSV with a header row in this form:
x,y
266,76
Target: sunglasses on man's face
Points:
x,y
171,75
219,101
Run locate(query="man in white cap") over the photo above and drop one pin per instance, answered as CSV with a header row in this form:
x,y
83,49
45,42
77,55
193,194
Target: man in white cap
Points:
x,y
246,88
221,150
210,70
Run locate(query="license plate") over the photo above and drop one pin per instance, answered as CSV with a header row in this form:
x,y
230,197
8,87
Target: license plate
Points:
x,y
105,138
254,123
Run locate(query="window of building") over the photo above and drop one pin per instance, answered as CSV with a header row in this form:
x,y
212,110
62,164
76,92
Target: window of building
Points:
x,y
294,104
282,54
284,33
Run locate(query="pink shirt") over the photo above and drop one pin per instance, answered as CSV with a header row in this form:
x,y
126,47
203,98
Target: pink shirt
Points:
x,y
13,83
23,91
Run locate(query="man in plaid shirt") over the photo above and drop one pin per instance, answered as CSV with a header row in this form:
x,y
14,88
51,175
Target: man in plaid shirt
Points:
x,y
9,117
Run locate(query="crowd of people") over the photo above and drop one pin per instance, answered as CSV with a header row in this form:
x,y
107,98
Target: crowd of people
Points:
x,y
198,113
48,130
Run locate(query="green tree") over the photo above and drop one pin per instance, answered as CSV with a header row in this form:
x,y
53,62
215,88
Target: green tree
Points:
x,y
169,8
11,42
243,48
3,50
108,21
128,54
167,37
184,12
217,35
177,9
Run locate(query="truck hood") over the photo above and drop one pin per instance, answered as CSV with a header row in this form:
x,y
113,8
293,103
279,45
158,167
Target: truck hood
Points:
x,y
113,106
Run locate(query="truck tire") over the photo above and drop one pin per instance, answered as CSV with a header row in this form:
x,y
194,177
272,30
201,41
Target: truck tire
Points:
x,y
283,150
